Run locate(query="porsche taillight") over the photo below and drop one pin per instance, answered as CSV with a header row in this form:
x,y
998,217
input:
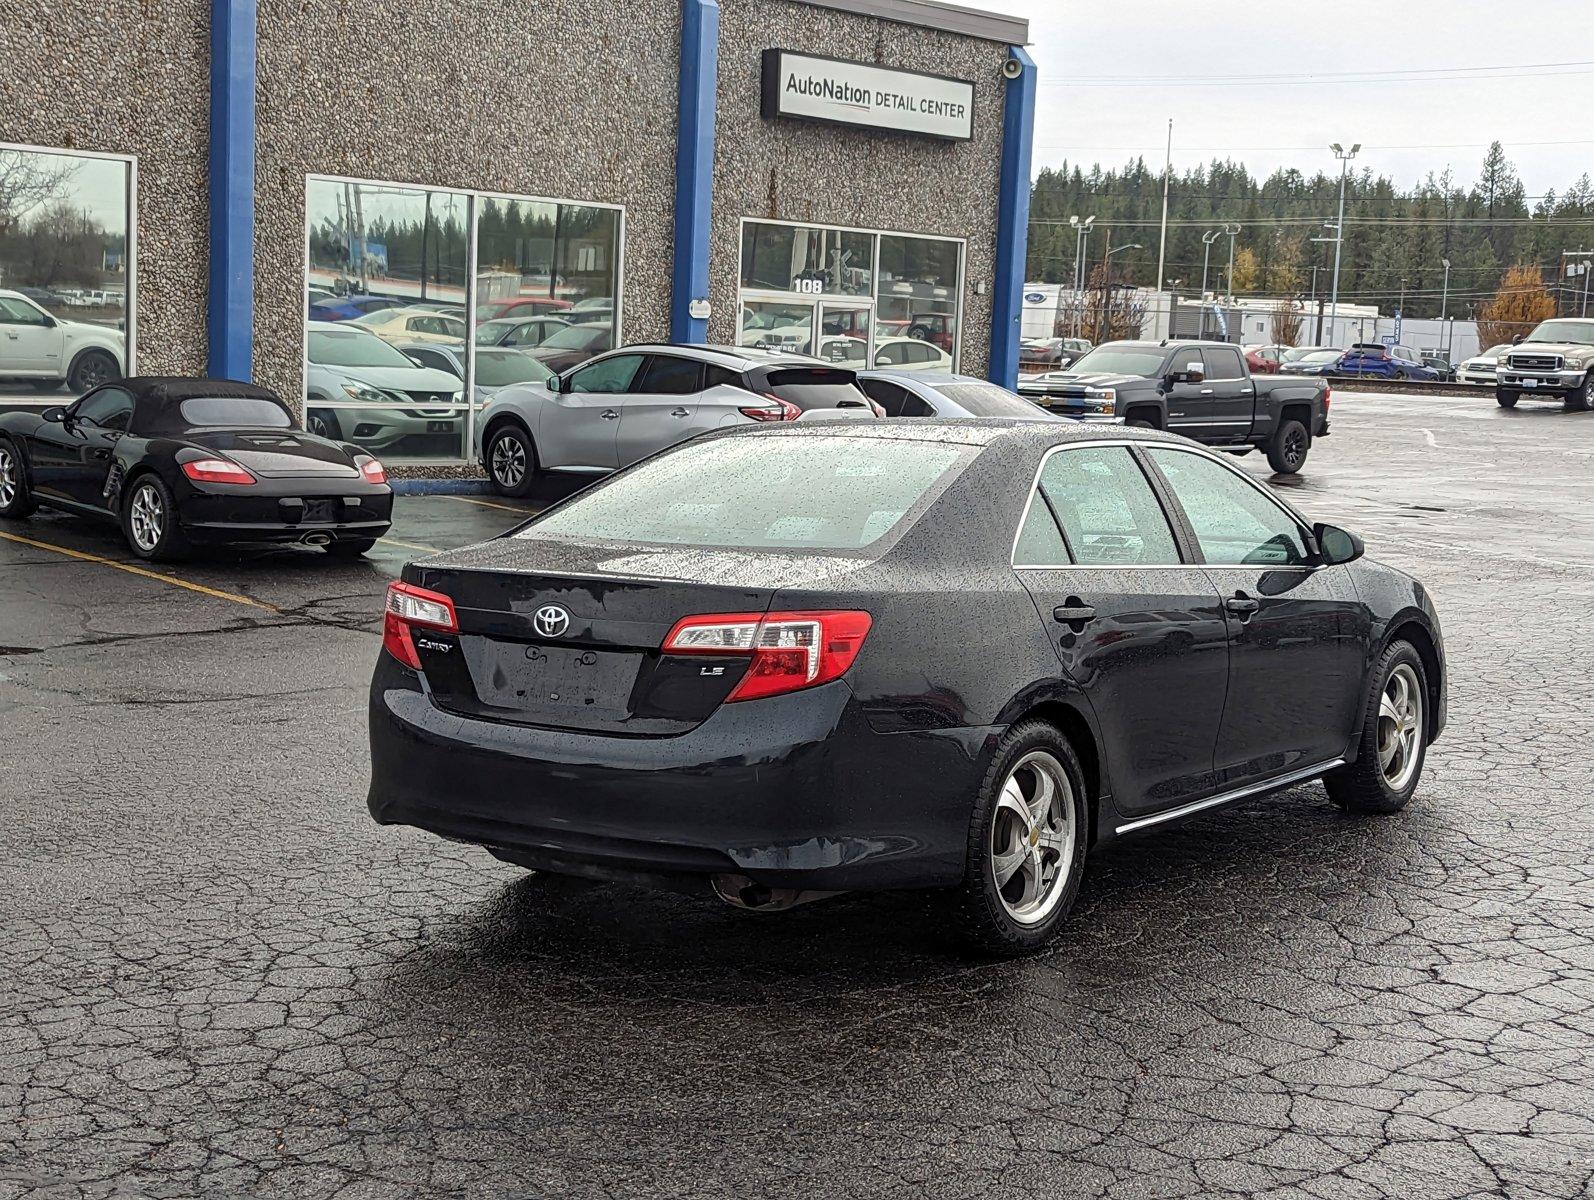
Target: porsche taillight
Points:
x,y
371,469
409,607
789,650
216,470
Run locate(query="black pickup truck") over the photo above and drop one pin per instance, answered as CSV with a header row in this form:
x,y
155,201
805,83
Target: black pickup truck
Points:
x,y
1202,390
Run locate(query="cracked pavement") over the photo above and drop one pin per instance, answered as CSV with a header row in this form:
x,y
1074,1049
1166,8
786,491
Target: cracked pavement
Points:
x,y
218,978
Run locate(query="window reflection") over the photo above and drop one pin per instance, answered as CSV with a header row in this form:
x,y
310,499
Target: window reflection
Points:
x,y
64,272
787,258
919,287
771,325
399,318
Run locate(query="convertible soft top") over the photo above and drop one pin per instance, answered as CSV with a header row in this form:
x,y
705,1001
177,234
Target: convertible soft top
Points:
x,y
156,399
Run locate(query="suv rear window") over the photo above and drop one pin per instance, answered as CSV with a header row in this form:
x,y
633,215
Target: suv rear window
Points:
x,y
816,387
761,493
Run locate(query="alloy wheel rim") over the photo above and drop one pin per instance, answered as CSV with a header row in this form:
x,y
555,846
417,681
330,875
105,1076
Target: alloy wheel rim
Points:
x,y
509,460
8,479
1032,838
1293,444
318,425
1400,727
93,373
147,518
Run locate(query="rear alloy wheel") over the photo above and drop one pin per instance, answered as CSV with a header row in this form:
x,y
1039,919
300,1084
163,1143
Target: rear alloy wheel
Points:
x,y
15,499
511,460
1507,399
1394,739
1286,453
1026,847
149,521
90,369
1578,401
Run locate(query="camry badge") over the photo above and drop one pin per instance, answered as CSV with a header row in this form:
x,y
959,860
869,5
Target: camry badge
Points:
x,y
551,620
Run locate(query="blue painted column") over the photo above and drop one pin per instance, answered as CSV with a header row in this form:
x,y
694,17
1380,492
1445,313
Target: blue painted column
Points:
x,y
1012,220
694,166
231,307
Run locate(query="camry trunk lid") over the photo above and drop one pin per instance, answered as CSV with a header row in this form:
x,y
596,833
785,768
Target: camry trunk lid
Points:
x,y
277,453
569,635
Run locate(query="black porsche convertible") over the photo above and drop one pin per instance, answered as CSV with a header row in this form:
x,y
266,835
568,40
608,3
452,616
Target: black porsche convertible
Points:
x,y
183,462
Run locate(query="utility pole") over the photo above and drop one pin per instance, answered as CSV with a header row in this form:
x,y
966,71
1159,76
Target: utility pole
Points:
x,y
1162,242
1344,157
1081,232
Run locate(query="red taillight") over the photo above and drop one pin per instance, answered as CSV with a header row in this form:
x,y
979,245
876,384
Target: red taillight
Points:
x,y
216,470
1328,398
409,605
776,410
877,409
789,650
370,469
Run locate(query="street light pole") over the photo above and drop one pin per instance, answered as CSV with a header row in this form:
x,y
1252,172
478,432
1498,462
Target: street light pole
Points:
x,y
1207,239
1233,232
1344,157
1162,242
1444,305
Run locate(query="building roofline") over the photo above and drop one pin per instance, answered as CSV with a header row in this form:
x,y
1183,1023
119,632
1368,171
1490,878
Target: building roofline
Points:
x,y
938,14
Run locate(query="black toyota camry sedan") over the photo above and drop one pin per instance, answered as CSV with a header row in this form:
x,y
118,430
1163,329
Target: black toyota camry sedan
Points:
x,y
180,462
802,660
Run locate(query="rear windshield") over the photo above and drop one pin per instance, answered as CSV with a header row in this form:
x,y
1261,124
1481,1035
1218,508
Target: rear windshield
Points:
x,y
760,493
233,412
988,400
817,387
575,337
1319,356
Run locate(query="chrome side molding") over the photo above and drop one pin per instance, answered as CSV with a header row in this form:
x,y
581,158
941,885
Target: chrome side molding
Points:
x,y
1298,775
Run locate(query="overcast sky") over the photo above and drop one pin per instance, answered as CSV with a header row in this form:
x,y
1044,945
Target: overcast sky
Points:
x,y
1407,126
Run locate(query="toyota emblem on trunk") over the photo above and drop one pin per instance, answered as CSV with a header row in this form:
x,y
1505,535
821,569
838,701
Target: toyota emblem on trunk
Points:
x,y
551,620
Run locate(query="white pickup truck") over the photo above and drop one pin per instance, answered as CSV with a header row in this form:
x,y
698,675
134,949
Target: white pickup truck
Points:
x,y
36,345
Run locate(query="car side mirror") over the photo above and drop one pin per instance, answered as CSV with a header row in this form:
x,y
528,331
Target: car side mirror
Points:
x,y
1193,372
554,383
55,414
1517,339
1336,545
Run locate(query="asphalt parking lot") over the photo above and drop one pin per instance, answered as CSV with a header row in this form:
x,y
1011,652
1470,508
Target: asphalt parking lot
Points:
x,y
219,978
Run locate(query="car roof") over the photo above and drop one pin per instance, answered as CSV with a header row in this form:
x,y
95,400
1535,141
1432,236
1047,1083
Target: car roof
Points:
x,y
734,357
1038,432
928,378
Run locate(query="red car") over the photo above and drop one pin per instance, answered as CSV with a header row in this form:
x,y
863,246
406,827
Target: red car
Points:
x,y
521,306
1265,360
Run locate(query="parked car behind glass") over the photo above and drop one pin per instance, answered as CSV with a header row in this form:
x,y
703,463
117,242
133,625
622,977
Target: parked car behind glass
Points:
x,y
1375,360
360,389
35,344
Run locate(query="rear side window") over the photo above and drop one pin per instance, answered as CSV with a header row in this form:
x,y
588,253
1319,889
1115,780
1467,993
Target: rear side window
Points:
x,y
716,376
816,387
1107,508
762,493
1222,364
669,376
1039,543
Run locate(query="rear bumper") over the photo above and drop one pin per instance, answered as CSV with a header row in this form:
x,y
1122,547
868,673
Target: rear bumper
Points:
x,y
792,791
237,517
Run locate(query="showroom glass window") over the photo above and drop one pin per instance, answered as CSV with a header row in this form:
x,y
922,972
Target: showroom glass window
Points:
x,y
849,295
67,247
393,264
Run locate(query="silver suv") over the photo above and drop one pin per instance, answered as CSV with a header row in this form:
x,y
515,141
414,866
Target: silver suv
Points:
x,y
626,404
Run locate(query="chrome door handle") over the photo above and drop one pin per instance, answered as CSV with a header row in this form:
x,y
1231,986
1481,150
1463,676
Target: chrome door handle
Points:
x,y
679,412
609,414
1241,605
1206,391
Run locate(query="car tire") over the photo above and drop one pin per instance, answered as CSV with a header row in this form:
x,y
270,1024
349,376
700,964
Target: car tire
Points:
x,y
1394,737
1029,814
510,457
1288,448
16,499
1507,399
1401,377
323,423
349,547
149,521
1578,401
90,369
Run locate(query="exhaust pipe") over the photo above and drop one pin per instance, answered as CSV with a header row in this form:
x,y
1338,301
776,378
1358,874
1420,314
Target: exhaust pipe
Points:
x,y
317,539
741,892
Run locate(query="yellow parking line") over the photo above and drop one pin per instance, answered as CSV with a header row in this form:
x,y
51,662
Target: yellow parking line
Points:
x,y
132,570
525,512
411,545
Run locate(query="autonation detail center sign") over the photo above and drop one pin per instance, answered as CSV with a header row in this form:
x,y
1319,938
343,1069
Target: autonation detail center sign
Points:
x,y
854,93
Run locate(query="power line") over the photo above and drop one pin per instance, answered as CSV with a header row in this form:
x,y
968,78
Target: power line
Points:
x,y
1505,144
1393,71
1308,80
